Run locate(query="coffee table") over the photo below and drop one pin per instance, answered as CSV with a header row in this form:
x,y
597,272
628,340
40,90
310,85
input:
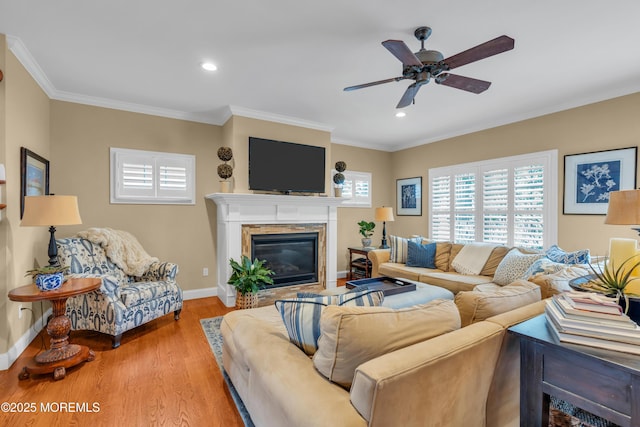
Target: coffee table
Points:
x,y
421,295
62,354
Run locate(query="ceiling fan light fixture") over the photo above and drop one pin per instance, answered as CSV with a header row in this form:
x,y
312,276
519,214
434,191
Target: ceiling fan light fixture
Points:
x,y
209,66
401,114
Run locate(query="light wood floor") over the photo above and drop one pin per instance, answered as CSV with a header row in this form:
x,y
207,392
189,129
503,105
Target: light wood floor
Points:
x,y
163,374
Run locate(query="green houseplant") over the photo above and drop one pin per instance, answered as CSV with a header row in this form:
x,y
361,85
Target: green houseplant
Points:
x,y
248,278
611,280
366,230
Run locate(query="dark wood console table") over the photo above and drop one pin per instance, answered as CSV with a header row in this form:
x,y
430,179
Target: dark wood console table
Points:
x,y
62,354
603,382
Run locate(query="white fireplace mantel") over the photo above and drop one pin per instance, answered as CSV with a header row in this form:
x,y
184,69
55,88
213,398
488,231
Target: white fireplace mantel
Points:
x,y
235,210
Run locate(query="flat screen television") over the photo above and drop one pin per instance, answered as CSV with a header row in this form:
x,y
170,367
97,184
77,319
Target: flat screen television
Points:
x,y
285,166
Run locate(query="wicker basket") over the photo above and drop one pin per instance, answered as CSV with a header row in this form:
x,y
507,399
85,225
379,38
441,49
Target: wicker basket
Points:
x,y
249,300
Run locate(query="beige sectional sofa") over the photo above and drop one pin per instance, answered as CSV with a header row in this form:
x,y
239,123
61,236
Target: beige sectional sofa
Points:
x,y
445,275
466,377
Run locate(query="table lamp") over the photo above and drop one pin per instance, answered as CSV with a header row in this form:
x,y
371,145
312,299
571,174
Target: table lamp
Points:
x,y
384,214
51,211
624,208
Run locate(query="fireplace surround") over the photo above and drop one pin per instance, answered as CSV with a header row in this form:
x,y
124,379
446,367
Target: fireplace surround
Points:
x,y
239,216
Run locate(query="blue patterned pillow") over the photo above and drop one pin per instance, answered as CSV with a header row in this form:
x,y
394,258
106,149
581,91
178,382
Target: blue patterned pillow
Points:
x,y
513,266
555,254
399,248
421,255
301,316
543,265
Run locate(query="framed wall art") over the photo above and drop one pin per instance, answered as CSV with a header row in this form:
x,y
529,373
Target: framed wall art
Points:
x,y
34,176
409,196
590,177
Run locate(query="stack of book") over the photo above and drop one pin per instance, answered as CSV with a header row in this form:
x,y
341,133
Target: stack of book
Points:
x,y
592,319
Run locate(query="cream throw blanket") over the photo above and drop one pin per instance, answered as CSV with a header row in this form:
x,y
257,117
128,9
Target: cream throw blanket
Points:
x,y
472,257
122,248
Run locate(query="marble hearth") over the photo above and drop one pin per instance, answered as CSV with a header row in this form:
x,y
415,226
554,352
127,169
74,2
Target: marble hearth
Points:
x,y
277,213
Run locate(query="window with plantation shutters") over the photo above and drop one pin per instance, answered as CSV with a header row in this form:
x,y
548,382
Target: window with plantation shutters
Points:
x,y
510,201
152,177
356,188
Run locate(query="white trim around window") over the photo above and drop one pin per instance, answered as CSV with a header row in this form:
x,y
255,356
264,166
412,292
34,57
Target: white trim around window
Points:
x,y
356,189
510,200
151,177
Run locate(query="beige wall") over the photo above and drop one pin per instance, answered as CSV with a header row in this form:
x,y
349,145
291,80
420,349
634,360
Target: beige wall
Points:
x,y
25,124
363,160
602,126
81,136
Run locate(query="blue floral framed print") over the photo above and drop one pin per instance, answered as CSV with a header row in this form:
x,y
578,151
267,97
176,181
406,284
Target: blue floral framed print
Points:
x,y
590,177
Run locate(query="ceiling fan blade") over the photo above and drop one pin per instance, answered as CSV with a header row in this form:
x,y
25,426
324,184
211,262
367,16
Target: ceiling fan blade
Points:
x,y
484,50
464,83
401,51
408,96
379,82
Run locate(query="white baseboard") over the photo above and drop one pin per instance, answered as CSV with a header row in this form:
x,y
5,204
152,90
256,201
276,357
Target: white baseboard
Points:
x,y
200,293
7,359
342,274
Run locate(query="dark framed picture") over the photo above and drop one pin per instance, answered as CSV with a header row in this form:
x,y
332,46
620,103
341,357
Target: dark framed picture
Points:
x,y
34,176
590,177
409,196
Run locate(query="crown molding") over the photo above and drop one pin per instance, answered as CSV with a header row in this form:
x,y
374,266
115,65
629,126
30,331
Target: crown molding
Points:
x,y
277,118
29,63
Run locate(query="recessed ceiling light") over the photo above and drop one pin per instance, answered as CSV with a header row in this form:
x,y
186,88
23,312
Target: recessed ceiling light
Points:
x,y
209,66
401,114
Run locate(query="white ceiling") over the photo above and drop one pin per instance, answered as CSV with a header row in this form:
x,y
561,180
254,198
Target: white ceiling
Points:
x,y
288,60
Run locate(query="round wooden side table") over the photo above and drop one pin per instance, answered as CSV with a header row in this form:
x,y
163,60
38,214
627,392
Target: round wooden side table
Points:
x,y
61,355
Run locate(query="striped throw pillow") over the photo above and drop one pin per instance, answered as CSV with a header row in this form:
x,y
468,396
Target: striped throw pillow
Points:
x,y
400,248
301,316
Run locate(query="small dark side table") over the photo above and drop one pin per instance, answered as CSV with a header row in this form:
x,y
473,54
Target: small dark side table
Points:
x,y
62,354
603,382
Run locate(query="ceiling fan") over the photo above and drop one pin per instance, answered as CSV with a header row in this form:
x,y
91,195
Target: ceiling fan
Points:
x,y
424,65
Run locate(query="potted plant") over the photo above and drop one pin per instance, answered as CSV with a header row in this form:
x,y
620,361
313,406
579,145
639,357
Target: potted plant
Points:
x,y
366,230
611,280
338,177
248,278
49,277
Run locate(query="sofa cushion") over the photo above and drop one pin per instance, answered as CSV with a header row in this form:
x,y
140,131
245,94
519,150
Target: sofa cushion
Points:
x,y
455,282
492,263
354,335
556,282
421,255
401,271
554,253
513,266
479,304
399,248
455,250
141,292
443,250
301,316
543,265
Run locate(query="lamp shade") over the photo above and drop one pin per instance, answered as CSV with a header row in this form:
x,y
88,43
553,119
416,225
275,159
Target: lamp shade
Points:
x,y
384,213
624,208
50,210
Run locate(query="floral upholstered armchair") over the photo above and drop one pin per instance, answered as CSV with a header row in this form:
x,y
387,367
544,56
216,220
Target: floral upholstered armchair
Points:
x,y
124,301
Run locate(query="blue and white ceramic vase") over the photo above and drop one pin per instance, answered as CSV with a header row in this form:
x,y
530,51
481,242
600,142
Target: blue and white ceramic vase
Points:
x,y
49,282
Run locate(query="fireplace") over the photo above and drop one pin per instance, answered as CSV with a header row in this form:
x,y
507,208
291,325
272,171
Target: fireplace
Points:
x,y
241,215
293,257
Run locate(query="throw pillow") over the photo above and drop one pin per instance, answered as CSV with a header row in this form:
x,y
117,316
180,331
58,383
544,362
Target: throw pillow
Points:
x,y
301,316
354,335
554,253
421,255
399,248
513,266
475,306
543,265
